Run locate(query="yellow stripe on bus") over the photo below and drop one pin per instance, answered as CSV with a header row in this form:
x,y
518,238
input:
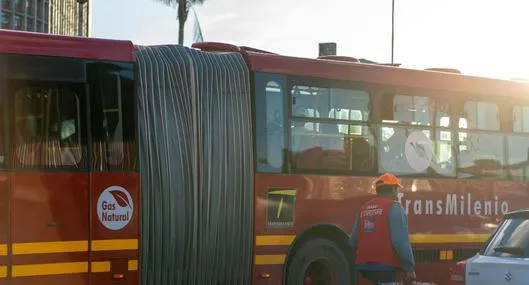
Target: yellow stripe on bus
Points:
x,y
278,240
50,247
49,269
270,259
59,268
133,265
274,240
449,238
69,246
114,244
100,266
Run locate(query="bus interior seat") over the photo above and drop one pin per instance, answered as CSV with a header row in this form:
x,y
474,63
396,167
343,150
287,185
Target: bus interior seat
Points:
x,y
361,154
332,144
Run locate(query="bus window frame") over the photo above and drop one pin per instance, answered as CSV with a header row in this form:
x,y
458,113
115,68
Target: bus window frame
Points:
x,y
330,84
124,69
83,131
380,121
260,81
37,69
503,131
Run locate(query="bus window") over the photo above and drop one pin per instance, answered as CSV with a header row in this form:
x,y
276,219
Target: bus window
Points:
x,y
413,110
422,143
518,145
481,152
112,113
520,119
518,159
269,120
48,130
482,115
318,143
274,124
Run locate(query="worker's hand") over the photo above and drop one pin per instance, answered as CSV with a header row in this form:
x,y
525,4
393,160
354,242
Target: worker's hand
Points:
x,y
410,277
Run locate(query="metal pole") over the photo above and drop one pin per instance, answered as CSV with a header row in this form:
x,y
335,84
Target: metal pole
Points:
x,y
80,19
392,28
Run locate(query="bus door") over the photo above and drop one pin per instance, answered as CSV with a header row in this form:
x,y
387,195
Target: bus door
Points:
x,y
49,162
114,178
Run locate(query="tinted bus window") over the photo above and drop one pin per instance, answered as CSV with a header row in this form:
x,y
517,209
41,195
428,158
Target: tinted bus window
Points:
x,y
480,116
329,131
520,118
518,145
481,152
49,129
518,159
269,105
112,117
421,143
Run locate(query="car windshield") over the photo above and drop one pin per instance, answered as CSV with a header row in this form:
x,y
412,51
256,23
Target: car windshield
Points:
x,y
511,239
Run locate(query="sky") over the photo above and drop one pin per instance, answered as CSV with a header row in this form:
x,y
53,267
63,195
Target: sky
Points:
x,y
479,37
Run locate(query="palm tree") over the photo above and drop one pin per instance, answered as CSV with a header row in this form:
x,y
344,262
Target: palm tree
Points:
x,y
183,11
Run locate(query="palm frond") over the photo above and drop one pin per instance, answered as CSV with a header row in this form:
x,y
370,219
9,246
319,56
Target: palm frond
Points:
x,y
170,3
175,3
183,7
197,30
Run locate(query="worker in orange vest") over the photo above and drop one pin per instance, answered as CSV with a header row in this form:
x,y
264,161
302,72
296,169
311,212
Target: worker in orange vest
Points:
x,y
380,236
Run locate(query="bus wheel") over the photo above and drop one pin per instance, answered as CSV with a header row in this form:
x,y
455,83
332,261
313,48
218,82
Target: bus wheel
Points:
x,y
319,262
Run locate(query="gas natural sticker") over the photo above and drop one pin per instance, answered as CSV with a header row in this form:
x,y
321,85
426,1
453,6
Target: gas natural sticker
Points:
x,y
115,208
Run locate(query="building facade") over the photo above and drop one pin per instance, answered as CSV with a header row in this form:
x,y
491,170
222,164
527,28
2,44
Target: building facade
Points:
x,y
60,17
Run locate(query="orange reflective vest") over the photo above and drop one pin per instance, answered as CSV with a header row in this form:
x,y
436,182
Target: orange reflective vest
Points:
x,y
374,240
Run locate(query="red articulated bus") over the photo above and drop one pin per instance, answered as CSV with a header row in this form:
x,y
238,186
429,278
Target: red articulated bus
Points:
x,y
218,164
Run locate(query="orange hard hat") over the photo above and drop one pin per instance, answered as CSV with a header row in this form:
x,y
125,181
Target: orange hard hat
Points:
x,y
387,179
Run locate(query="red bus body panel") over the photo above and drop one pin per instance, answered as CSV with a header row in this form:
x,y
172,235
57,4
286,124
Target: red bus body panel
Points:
x,y
62,46
48,207
385,75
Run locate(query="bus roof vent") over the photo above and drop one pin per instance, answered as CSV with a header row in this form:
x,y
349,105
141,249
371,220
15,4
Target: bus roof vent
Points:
x,y
447,70
358,60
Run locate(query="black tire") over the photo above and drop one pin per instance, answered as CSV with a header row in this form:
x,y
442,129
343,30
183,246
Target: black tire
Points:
x,y
319,252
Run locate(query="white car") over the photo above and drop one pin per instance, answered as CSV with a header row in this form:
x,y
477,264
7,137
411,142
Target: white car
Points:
x,y
503,260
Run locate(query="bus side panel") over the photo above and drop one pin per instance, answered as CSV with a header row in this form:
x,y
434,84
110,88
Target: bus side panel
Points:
x,y
441,234
50,228
115,216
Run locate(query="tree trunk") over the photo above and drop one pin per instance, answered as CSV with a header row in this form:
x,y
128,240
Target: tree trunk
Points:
x,y
181,24
182,17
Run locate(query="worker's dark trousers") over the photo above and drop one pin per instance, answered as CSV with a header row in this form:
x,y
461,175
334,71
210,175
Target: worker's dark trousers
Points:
x,y
377,277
